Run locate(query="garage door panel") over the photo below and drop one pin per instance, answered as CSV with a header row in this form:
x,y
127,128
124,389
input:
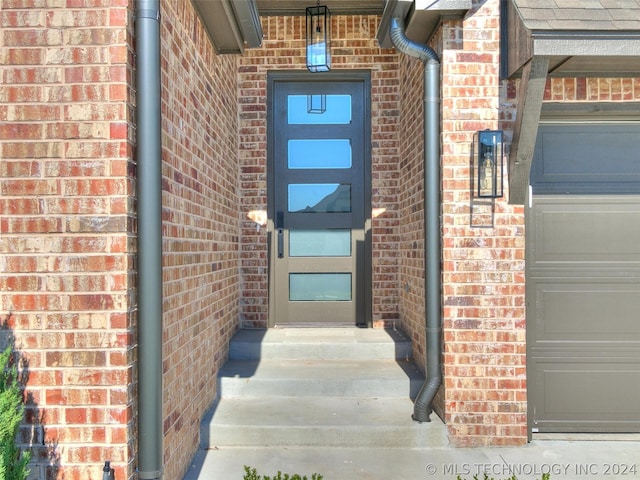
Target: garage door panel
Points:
x,y
596,230
586,396
585,310
587,159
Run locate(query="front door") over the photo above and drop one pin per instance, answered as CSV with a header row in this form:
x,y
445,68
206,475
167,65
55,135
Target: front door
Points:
x,y
319,170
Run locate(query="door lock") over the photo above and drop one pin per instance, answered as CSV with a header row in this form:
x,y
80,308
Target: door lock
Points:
x,y
280,227
280,243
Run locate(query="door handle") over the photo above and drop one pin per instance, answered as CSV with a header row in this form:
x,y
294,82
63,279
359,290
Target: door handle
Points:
x,y
280,243
280,227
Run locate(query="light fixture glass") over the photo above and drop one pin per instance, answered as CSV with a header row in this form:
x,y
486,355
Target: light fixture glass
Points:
x,y
318,39
489,164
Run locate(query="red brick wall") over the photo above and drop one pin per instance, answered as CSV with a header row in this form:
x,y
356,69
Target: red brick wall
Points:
x,y
353,47
483,400
592,89
483,396
67,230
411,225
65,227
200,224
483,252
67,218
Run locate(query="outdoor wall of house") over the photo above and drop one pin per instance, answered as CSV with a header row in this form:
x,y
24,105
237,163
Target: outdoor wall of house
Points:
x,y
353,47
483,250
67,219
200,224
483,398
411,210
66,228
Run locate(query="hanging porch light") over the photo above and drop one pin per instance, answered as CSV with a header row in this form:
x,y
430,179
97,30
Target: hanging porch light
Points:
x,y
318,38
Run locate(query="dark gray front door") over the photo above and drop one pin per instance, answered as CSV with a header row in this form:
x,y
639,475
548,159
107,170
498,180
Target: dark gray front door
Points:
x,y
583,280
319,172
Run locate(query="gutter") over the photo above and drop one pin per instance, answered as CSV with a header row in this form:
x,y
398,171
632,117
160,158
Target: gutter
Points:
x,y
149,250
432,228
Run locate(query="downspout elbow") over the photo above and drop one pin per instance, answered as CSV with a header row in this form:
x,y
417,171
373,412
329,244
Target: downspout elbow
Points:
x,y
423,404
407,46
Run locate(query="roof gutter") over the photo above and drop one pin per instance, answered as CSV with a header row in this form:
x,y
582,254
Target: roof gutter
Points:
x,y
432,228
149,251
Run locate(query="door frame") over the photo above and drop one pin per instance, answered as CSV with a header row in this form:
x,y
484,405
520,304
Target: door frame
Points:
x,y
364,77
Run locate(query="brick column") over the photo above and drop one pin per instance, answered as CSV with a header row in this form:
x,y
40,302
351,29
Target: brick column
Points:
x,y
483,250
66,228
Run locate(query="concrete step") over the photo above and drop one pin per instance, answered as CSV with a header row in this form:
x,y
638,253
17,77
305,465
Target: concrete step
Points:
x,y
320,343
322,387
318,422
320,378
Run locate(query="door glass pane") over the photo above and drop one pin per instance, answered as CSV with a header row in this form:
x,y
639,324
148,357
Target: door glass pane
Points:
x,y
320,153
320,287
301,110
319,198
320,243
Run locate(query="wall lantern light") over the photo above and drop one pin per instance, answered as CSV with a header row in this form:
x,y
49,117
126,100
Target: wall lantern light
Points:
x,y
318,39
489,165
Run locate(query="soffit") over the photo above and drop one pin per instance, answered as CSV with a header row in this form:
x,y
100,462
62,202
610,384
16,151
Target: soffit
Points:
x,y
337,7
579,37
421,17
233,25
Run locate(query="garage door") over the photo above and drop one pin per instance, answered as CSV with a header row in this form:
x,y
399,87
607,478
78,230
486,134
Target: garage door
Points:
x,y
583,279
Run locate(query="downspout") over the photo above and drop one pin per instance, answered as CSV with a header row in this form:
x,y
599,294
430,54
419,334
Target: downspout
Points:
x,y
149,207
432,250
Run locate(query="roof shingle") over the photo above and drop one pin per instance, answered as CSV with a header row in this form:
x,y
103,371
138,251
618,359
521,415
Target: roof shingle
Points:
x,y
602,15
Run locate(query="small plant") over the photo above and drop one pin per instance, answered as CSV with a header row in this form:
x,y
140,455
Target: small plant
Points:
x,y
545,476
251,474
13,462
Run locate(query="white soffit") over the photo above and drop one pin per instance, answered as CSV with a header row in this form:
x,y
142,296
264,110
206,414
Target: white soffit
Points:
x,y
231,24
426,14
421,17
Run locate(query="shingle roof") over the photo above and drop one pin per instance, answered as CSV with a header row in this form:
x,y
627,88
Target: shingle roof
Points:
x,y
601,15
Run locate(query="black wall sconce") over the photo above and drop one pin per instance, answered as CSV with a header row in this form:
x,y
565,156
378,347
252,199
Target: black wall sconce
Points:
x,y
489,164
318,39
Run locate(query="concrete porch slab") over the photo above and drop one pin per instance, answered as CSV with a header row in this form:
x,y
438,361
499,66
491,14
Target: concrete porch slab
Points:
x,y
566,460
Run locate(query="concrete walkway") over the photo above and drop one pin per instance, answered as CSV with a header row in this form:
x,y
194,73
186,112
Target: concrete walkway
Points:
x,y
580,459
338,402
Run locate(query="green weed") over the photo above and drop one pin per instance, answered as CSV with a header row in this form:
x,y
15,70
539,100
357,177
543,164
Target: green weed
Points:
x,y
251,474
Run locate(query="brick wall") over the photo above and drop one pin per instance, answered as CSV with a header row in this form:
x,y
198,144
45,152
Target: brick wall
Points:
x,y
353,47
592,89
411,224
483,400
484,392
483,252
200,224
67,211
65,227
